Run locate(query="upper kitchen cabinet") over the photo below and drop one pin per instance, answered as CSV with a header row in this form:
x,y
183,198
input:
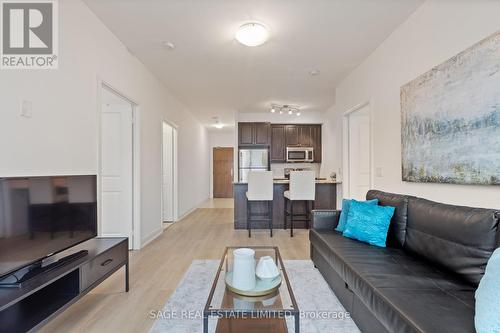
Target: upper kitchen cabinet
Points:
x,y
299,135
262,133
316,142
278,146
305,139
291,135
250,134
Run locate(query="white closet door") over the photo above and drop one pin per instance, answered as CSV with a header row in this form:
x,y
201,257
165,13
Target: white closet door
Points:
x,y
359,153
116,171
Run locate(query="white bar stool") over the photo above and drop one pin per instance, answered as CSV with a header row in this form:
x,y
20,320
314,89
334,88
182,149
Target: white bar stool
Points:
x,y
302,188
260,189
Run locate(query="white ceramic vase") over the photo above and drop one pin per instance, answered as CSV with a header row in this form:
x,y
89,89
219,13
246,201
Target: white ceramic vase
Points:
x,y
266,268
244,269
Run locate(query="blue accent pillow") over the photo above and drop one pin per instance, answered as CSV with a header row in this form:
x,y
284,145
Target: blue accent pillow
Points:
x,y
487,318
346,203
368,223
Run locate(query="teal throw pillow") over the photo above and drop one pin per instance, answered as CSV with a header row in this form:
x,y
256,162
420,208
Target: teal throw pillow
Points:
x,y
487,317
368,223
346,203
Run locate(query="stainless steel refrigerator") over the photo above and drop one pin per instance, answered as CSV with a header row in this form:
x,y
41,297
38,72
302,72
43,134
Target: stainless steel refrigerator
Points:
x,y
252,160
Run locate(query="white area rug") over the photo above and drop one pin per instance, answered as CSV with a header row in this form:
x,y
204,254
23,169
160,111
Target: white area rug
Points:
x,y
183,312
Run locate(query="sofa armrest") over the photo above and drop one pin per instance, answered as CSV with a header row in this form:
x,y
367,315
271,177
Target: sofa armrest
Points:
x,y
325,218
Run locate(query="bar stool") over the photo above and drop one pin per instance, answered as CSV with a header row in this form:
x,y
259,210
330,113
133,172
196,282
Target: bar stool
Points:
x,y
260,189
302,188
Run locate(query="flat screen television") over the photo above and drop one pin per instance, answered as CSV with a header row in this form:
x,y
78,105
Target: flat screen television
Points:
x,y
41,216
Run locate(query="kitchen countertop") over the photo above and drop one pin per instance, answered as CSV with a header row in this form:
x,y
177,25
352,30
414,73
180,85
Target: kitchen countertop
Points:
x,y
286,181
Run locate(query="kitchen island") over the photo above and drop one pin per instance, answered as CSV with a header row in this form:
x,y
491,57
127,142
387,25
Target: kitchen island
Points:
x,y
326,198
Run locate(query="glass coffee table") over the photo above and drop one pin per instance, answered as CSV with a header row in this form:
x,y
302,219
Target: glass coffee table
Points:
x,y
237,313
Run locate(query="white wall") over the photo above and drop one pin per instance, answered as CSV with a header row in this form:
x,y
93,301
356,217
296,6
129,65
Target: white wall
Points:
x,y
219,138
62,135
437,31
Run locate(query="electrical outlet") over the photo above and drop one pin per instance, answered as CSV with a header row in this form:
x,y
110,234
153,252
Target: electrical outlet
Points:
x,y
26,109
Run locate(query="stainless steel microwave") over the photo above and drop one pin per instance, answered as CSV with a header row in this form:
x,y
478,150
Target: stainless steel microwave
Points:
x,y
299,154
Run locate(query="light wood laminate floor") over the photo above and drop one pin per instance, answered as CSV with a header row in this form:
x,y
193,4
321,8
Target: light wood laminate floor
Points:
x,y
156,270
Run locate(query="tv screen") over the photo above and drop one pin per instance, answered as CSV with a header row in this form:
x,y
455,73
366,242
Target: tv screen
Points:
x,y
40,216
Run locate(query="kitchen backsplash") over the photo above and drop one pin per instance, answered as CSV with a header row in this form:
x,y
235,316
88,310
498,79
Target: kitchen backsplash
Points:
x,y
278,169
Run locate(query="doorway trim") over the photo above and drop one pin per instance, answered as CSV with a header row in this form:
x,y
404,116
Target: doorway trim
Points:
x,y
136,165
175,163
345,146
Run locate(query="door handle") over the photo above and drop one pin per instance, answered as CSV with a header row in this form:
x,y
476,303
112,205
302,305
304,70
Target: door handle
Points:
x,y
106,262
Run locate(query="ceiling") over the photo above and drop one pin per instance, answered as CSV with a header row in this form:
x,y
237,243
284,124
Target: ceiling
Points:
x,y
214,75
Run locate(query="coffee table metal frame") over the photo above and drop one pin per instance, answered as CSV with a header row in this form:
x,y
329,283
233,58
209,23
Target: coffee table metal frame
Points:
x,y
209,311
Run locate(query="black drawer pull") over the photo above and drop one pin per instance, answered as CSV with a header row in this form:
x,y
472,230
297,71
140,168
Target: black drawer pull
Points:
x,y
106,262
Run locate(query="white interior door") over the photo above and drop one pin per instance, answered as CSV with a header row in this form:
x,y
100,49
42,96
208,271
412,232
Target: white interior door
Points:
x,y
168,173
359,153
117,169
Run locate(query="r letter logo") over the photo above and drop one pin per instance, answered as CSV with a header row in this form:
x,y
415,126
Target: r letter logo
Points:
x,y
29,34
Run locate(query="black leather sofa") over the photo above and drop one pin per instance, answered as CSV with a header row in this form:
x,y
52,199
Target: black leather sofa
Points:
x,y
424,280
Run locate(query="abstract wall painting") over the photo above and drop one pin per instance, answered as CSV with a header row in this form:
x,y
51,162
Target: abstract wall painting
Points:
x,y
450,128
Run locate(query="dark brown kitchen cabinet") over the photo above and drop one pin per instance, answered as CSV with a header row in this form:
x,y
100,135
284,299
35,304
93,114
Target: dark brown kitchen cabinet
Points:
x,y
316,142
278,146
291,135
262,133
254,134
305,139
245,133
300,135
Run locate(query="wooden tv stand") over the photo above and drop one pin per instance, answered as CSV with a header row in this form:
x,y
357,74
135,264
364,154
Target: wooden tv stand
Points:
x,y
48,294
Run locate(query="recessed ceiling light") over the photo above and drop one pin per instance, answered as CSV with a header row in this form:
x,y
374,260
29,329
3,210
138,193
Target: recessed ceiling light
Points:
x,y
252,34
298,114
219,125
290,111
273,110
314,72
168,45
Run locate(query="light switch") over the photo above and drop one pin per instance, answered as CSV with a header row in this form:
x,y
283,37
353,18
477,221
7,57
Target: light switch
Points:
x,y
379,172
26,108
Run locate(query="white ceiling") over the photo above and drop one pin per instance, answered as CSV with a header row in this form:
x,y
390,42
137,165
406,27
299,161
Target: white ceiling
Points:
x,y
214,75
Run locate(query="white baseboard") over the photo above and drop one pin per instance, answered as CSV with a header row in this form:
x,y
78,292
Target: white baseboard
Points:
x,y
191,210
151,237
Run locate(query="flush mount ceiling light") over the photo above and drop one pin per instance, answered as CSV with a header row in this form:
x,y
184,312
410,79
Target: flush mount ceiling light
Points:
x,y
252,34
290,109
218,124
314,72
168,45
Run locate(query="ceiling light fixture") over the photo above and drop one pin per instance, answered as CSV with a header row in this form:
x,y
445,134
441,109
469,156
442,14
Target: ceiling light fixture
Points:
x,y
314,72
217,124
169,45
281,108
252,34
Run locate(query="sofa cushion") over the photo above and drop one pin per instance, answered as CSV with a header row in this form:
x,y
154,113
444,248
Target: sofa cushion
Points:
x,y
397,228
488,297
368,223
403,292
346,205
460,239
